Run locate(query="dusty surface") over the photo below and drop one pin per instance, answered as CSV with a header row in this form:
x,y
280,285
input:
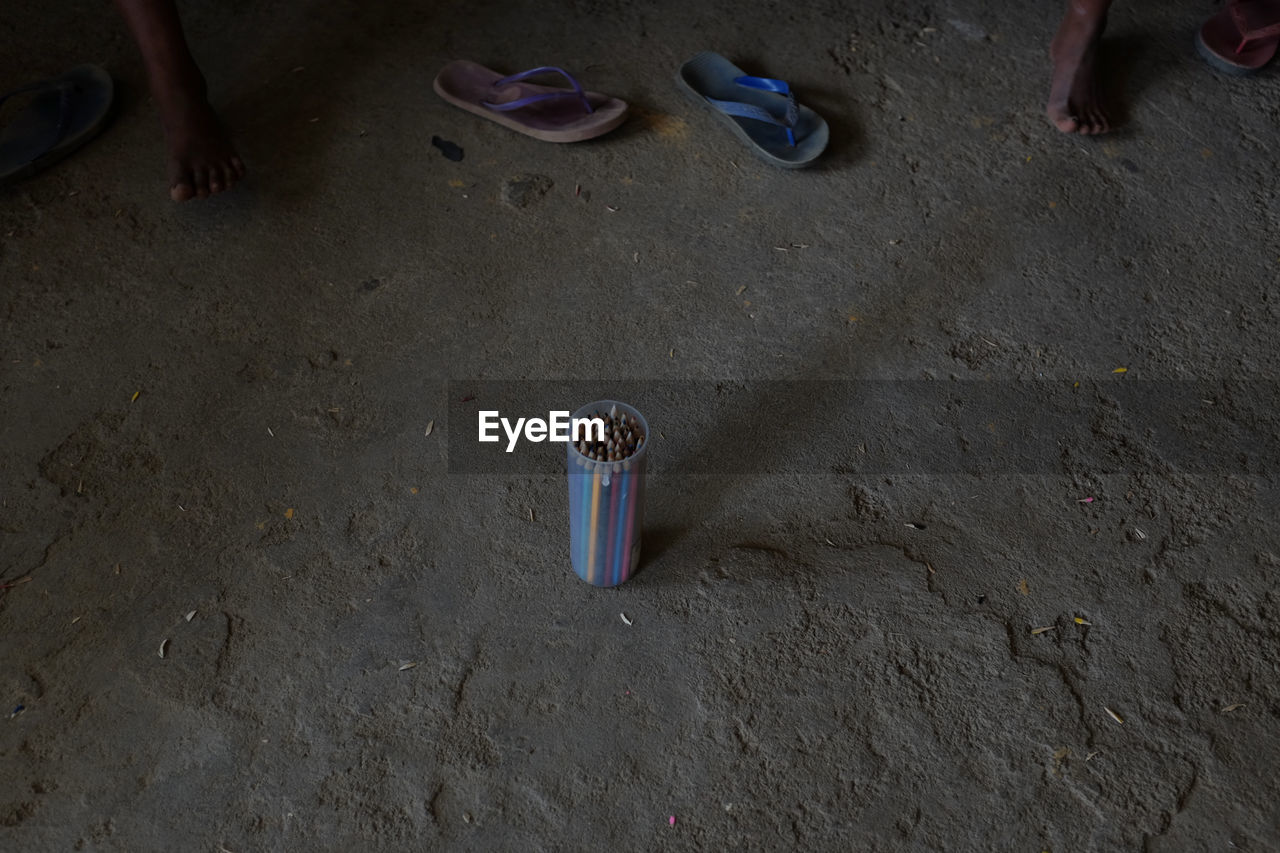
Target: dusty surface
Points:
x,y
803,669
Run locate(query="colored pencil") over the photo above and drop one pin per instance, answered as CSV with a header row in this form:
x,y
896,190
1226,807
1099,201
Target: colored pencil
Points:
x,y
625,568
620,537
610,564
593,527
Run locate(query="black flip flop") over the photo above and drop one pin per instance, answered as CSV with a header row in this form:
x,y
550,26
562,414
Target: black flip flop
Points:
x,y
61,114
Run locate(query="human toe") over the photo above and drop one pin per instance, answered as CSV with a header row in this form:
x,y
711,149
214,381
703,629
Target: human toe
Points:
x,y
200,179
182,186
1064,121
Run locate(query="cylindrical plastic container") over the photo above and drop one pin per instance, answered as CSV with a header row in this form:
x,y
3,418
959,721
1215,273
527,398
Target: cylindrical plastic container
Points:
x,y
606,505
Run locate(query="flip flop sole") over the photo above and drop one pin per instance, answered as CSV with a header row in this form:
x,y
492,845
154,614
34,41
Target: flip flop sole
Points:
x,y
711,75
467,85
92,92
1217,40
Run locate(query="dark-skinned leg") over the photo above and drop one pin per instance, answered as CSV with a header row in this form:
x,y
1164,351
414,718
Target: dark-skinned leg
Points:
x,y
202,160
1074,102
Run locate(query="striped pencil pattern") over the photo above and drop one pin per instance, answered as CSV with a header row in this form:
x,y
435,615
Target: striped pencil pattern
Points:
x,y
606,509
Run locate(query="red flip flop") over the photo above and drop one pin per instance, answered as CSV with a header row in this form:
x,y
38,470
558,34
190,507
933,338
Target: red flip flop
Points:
x,y
1241,38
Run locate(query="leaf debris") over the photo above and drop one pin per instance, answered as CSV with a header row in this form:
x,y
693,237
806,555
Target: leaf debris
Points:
x,y
164,646
1233,707
1042,629
430,426
625,619
1113,715
409,665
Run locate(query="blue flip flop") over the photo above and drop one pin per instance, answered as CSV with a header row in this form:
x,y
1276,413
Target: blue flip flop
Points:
x,y
61,114
761,111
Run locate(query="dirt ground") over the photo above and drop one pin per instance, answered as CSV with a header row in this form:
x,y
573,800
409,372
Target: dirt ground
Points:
x,y
221,408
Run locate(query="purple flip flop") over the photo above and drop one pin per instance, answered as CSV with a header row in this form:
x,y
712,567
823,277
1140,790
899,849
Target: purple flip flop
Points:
x,y
549,113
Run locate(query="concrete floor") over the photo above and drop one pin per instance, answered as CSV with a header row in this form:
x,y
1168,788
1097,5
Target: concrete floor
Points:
x,y
825,653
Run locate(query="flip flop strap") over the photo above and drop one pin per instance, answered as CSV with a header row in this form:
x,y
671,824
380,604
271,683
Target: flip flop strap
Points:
x,y
736,108
520,103
1246,13
64,110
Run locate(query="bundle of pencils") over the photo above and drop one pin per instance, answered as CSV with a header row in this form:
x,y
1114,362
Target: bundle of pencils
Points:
x,y
621,439
606,494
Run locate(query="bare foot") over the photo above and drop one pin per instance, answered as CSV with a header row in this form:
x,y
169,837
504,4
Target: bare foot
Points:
x,y
202,160
1074,104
